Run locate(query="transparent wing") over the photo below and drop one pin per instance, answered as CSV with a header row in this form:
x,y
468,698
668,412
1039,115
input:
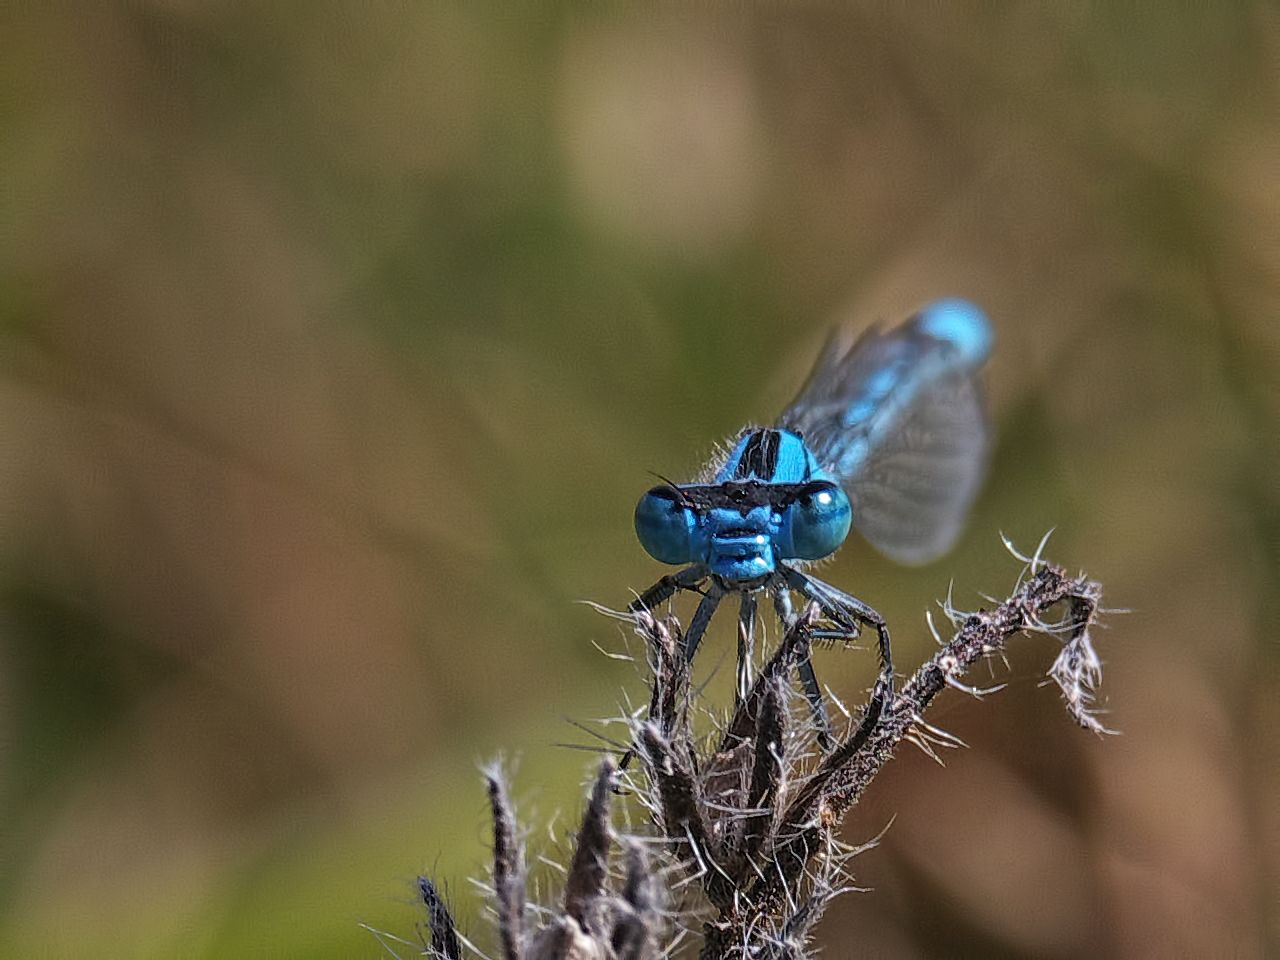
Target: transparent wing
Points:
x,y
897,417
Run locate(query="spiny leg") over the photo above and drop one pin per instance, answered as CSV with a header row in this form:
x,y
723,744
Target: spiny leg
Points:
x,y
746,643
701,618
847,611
686,579
813,693
808,678
850,612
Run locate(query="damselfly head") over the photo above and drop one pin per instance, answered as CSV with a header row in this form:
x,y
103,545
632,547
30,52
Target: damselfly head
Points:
x,y
741,529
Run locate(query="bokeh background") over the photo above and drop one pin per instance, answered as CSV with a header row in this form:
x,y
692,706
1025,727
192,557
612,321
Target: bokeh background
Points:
x,y
337,341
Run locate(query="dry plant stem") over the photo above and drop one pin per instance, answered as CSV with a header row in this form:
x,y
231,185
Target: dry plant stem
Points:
x,y
595,922
764,849
747,833
635,928
846,772
444,933
508,870
587,873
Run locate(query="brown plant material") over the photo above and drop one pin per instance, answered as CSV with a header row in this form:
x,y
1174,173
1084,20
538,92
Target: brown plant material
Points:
x,y
745,833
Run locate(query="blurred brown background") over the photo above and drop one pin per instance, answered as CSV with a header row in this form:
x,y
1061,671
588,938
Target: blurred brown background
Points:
x,y
337,340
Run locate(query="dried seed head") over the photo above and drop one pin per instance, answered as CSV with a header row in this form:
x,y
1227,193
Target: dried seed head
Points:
x,y
743,833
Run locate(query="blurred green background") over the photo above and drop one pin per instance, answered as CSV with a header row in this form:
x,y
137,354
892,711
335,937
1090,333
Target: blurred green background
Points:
x,y
337,341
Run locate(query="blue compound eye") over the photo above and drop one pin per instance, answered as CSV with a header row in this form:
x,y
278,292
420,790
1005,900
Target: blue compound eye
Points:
x,y
818,521
664,526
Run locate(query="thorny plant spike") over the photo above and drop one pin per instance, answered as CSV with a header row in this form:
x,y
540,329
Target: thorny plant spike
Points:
x,y
601,917
744,830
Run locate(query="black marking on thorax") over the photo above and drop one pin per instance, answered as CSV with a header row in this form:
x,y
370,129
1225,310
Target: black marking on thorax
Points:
x,y
759,456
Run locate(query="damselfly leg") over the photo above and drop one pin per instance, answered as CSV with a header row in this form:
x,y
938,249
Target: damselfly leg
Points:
x,y
664,589
849,613
746,645
808,678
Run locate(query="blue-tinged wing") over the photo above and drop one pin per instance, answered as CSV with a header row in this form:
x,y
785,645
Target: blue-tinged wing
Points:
x,y
897,418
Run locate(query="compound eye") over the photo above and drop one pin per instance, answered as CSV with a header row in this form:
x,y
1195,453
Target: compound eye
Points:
x,y
664,525
820,518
